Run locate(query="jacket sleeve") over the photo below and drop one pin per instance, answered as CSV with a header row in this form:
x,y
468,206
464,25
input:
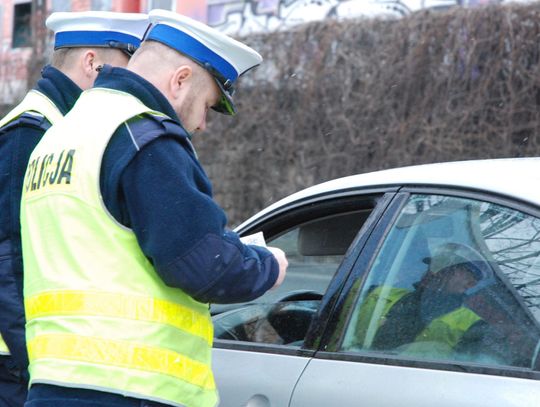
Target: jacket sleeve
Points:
x,y
181,229
17,141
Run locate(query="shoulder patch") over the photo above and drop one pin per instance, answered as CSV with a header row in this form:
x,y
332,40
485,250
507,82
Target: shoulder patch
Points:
x,y
31,119
147,127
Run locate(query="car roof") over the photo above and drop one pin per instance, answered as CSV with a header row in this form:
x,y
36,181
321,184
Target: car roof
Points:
x,y
512,177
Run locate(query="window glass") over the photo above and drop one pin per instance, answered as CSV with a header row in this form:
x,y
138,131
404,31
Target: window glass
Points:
x,y
161,4
455,280
61,5
101,5
21,36
314,251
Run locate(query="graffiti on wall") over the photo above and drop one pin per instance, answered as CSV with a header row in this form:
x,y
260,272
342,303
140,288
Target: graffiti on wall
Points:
x,y
242,17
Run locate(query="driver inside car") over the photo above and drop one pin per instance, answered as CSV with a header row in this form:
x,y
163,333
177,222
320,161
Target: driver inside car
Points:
x,y
432,319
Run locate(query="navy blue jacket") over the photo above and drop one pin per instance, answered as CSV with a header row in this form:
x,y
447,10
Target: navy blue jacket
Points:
x,y
152,182
17,140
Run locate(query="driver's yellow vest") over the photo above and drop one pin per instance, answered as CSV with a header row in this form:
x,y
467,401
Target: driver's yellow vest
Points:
x,y
447,329
37,102
98,315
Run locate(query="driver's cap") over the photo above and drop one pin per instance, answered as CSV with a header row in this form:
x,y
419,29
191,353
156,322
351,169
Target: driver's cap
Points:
x,y
451,254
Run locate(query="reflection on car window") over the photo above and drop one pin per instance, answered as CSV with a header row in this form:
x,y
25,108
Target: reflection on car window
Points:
x,y
456,280
314,250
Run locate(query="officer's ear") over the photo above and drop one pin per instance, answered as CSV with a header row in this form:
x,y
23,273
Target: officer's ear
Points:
x,y
89,63
180,79
84,69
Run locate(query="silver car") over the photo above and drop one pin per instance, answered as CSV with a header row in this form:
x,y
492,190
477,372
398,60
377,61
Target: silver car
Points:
x,y
416,286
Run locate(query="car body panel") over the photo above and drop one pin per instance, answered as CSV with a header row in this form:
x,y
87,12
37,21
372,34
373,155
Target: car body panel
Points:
x,y
262,379
341,383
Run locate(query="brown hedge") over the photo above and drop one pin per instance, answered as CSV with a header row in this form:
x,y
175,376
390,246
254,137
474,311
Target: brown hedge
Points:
x,y
337,98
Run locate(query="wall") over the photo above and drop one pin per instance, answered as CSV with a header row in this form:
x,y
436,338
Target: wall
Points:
x,y
18,65
243,17
13,62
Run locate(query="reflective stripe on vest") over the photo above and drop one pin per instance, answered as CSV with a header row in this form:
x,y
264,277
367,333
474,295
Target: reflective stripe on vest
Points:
x,y
117,306
3,347
34,101
449,328
98,314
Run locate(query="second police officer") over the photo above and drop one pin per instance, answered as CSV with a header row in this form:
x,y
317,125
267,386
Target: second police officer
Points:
x,y
84,41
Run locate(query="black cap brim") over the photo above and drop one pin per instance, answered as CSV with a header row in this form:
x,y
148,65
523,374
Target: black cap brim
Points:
x,y
225,104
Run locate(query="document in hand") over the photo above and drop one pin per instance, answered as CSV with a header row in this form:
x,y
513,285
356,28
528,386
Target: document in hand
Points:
x,y
256,239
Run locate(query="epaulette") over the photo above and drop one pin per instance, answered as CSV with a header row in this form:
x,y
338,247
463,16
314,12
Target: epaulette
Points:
x,y
147,127
32,119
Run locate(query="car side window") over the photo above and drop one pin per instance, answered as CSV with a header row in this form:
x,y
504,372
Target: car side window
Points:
x,y
455,280
314,250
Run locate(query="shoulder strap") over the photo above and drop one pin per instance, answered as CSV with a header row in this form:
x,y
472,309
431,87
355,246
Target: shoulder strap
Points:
x,y
36,102
148,126
32,119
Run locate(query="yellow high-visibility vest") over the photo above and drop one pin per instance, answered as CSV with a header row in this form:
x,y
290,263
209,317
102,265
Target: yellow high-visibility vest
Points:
x,y
445,330
98,315
34,101
4,350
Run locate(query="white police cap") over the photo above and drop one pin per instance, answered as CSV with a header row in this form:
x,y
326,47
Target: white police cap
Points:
x,y
105,29
222,56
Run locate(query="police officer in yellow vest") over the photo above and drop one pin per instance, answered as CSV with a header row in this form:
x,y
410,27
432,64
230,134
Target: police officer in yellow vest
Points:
x,y
83,42
127,245
432,319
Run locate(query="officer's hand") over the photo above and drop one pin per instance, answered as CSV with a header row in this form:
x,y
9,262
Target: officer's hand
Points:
x,y
283,264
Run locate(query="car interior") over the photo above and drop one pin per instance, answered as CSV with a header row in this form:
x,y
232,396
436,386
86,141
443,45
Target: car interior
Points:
x,y
314,248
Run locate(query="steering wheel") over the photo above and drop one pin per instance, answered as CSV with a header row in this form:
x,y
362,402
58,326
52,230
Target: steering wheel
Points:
x,y
285,321
291,320
292,314
234,324
301,295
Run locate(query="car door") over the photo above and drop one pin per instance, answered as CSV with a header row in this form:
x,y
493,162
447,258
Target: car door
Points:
x,y
404,331
259,347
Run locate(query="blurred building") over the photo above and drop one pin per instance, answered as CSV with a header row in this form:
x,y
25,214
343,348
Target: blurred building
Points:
x,y
25,41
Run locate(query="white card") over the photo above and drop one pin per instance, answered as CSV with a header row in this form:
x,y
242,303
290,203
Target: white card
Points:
x,y
256,239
